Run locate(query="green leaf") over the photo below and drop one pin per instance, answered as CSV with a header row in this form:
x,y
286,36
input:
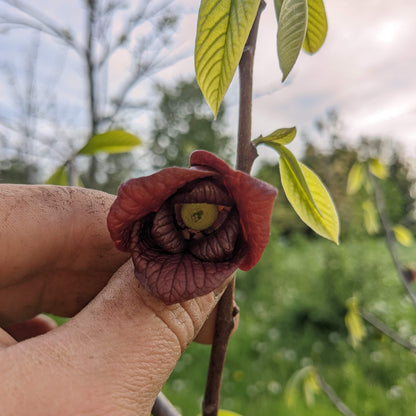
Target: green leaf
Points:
x,y
306,376
378,169
354,322
280,136
371,222
115,141
403,235
296,173
59,177
293,21
278,8
223,29
311,386
312,202
317,26
356,178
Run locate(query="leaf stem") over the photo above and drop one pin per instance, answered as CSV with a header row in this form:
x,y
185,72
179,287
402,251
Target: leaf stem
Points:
x,y
246,154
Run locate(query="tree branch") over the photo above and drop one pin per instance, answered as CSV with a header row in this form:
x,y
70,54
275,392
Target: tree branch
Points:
x,y
246,151
89,61
41,23
390,239
383,328
338,403
246,154
224,325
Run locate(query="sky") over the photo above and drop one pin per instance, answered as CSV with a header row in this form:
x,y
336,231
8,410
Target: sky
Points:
x,y
365,70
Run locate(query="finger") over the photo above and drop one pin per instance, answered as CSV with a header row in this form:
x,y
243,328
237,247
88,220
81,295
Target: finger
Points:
x,y
116,353
31,328
6,340
56,250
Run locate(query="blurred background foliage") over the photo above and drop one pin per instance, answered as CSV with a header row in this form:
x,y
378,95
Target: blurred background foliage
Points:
x,y
293,303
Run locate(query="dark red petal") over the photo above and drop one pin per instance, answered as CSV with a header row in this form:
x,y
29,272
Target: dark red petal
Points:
x,y
219,245
175,278
254,200
203,159
166,235
138,197
206,191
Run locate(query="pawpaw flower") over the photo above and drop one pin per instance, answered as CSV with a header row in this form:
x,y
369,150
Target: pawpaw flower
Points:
x,y
188,229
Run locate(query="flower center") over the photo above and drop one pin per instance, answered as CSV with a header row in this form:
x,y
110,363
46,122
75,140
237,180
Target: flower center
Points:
x,y
199,216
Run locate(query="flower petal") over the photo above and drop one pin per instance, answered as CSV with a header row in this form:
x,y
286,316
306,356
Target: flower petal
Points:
x,y
220,245
138,197
206,191
254,199
144,220
177,277
165,233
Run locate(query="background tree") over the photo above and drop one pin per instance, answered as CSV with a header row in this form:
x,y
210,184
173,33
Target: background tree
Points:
x,y
105,106
183,123
17,171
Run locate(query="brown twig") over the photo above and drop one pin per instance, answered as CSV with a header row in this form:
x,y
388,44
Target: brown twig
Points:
x,y
223,327
246,153
384,329
338,403
390,239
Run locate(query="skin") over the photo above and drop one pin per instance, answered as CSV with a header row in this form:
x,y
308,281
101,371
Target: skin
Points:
x,y
121,345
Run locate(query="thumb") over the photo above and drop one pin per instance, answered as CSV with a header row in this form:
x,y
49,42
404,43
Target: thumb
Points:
x,y
115,355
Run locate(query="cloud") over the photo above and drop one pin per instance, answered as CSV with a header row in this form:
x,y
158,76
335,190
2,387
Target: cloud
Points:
x,y
365,70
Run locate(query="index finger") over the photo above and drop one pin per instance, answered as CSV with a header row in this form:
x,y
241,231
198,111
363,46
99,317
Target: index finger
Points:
x,y
56,251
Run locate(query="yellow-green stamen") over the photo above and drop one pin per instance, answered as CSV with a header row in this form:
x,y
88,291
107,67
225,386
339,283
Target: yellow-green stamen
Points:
x,y
199,216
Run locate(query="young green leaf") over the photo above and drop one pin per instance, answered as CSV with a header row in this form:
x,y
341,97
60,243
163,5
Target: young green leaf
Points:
x,y
317,26
377,168
312,203
354,322
296,172
293,21
222,412
59,177
356,178
304,190
281,136
277,8
115,141
403,235
371,221
307,378
223,29
311,386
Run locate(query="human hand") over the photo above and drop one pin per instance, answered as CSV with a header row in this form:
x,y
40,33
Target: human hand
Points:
x,y
114,356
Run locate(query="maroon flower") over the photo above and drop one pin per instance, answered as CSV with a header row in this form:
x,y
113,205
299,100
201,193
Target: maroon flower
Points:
x,y
188,229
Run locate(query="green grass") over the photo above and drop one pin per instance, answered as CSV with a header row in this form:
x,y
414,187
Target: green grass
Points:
x,y
292,314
